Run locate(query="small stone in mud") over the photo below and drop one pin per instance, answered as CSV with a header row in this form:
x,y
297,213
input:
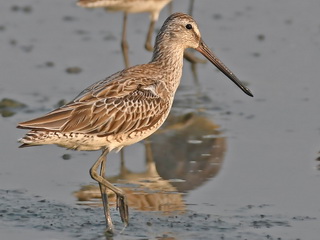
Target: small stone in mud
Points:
x,y
68,18
81,32
256,54
6,113
288,21
109,37
27,9
250,116
149,223
27,48
49,64
15,8
10,103
73,70
261,37
66,156
13,42
217,16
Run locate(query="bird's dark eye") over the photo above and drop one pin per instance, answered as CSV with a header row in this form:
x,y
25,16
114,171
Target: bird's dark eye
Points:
x,y
189,26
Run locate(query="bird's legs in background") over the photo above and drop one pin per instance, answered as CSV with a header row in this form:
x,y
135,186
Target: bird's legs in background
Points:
x,y
148,45
191,7
125,53
124,43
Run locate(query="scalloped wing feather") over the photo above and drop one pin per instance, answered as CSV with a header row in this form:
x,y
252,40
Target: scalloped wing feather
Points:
x,y
119,104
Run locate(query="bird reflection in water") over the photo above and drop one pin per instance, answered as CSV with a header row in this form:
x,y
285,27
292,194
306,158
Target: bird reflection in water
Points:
x,y
186,152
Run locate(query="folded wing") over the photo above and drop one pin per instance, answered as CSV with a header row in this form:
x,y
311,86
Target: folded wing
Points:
x,y
108,107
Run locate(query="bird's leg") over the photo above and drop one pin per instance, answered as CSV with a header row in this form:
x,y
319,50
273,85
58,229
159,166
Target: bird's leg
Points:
x,y
123,169
148,44
121,198
124,43
191,7
195,74
104,197
149,157
94,174
170,8
190,57
122,205
122,161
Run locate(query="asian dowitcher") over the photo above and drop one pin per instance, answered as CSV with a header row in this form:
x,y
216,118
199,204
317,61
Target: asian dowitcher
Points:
x,y
126,107
153,7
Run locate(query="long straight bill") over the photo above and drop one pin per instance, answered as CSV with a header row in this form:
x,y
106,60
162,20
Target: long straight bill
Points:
x,y
203,48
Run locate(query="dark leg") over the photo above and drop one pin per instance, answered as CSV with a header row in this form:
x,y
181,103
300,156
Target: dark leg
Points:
x,y
192,58
149,156
121,198
195,73
124,43
189,56
122,161
170,8
148,44
104,196
151,166
123,169
191,7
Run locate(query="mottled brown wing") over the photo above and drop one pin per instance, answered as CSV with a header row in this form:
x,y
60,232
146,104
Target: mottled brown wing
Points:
x,y
109,116
120,103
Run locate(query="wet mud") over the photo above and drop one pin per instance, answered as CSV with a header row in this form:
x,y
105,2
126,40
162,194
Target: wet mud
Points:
x,y
21,210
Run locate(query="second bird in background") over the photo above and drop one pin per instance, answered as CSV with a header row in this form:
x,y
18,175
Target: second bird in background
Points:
x,y
153,7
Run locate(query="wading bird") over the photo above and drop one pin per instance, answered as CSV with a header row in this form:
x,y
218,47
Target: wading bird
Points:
x,y
126,107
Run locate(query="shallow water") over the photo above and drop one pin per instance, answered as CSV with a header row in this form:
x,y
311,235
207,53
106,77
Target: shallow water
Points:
x,y
235,168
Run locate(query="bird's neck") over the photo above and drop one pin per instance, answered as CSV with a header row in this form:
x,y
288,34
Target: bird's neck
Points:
x,y
169,58
165,52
